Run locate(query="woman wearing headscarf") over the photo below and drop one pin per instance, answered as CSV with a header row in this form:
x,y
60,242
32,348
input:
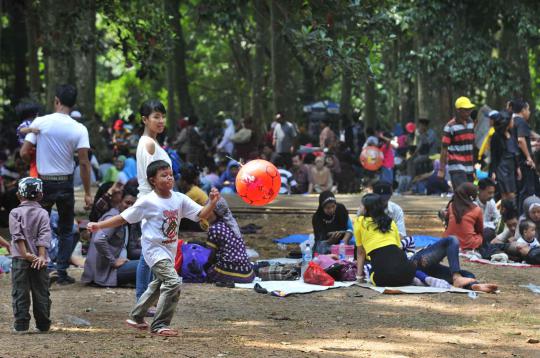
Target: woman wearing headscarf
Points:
x,y
465,218
531,212
331,223
229,259
228,178
226,145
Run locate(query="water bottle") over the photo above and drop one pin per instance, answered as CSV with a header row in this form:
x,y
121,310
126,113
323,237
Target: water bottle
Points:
x,y
342,251
306,258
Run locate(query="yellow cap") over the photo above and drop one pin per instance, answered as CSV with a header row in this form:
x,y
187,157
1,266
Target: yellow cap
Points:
x,y
464,102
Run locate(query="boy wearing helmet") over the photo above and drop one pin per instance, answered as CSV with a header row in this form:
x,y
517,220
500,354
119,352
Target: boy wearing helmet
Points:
x,y
30,231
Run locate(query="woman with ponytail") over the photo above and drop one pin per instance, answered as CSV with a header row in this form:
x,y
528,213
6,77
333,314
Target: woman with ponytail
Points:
x,y
377,238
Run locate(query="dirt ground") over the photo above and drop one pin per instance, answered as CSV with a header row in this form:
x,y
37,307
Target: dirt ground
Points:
x,y
350,322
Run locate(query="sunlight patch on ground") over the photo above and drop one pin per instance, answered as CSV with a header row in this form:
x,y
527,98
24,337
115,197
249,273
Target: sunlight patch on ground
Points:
x,y
249,323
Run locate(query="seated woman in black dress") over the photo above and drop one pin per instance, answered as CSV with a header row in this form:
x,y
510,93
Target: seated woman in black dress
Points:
x,y
330,223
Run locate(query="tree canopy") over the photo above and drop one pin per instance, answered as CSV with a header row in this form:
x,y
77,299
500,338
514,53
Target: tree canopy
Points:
x,y
393,61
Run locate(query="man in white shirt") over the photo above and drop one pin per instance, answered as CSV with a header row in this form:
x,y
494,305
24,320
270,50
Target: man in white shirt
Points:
x,y
283,138
384,189
486,192
58,137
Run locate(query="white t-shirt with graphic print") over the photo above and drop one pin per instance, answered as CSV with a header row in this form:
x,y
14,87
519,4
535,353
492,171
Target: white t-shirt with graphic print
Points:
x,y
160,222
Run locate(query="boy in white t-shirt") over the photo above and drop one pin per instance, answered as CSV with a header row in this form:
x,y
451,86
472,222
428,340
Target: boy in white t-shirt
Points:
x,y
160,212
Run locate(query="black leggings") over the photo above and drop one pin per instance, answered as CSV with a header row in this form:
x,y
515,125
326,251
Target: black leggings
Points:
x,y
391,267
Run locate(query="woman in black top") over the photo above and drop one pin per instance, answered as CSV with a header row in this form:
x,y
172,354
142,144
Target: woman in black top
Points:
x,y
330,223
504,154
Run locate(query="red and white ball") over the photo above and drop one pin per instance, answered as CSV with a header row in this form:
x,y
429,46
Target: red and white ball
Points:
x,y
258,182
371,158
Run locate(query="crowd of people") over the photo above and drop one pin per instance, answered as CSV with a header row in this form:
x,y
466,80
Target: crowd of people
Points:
x,y
154,186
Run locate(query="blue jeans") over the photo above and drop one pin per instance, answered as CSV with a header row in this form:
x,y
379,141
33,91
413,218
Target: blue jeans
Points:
x,y
127,273
387,175
428,260
144,277
61,194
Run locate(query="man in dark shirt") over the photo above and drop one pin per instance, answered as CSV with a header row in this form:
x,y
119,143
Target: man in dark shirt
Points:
x,y
522,130
300,174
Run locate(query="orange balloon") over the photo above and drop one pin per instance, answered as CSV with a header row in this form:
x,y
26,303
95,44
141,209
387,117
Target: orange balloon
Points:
x,y
371,158
258,182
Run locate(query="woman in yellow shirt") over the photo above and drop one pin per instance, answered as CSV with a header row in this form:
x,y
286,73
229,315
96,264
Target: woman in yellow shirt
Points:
x,y
377,237
188,184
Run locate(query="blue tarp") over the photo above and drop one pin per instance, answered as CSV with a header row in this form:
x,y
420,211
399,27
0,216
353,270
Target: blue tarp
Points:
x,y
419,240
424,240
293,239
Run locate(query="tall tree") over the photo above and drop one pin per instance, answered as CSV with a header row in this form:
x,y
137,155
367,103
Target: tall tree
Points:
x,y
171,9
84,54
257,96
33,43
59,30
180,54
279,61
17,18
345,105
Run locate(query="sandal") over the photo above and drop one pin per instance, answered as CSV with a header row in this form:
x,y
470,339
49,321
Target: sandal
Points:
x,y
165,332
141,326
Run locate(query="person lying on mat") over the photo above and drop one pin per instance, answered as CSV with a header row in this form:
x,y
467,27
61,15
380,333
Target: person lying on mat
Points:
x,y
378,239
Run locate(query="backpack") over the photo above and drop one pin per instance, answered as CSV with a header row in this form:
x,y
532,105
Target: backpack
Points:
x,y
194,257
175,161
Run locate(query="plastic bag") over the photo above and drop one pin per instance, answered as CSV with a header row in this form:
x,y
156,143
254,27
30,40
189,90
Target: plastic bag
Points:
x,y
348,271
315,275
193,261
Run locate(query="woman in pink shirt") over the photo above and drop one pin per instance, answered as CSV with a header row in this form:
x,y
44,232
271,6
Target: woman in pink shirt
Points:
x,y
387,169
465,218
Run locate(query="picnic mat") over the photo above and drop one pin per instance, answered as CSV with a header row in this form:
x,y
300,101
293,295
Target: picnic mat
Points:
x,y
419,240
292,239
286,288
412,289
474,258
424,240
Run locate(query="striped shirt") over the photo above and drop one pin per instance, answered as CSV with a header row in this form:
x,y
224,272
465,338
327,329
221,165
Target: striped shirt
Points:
x,y
287,181
459,139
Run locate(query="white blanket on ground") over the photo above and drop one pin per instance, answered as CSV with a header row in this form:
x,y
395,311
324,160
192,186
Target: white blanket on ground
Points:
x,y
474,257
291,287
412,289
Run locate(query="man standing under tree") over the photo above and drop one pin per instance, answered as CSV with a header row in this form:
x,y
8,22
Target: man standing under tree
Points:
x,y
58,137
283,140
457,145
527,184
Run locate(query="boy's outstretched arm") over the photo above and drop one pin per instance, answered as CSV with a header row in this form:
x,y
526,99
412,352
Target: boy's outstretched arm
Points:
x,y
115,221
211,205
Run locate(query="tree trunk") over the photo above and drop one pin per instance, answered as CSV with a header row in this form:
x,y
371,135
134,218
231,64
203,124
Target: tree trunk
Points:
x,y
172,114
32,29
370,111
17,19
186,106
172,9
514,53
278,61
345,105
59,30
84,54
406,100
257,95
